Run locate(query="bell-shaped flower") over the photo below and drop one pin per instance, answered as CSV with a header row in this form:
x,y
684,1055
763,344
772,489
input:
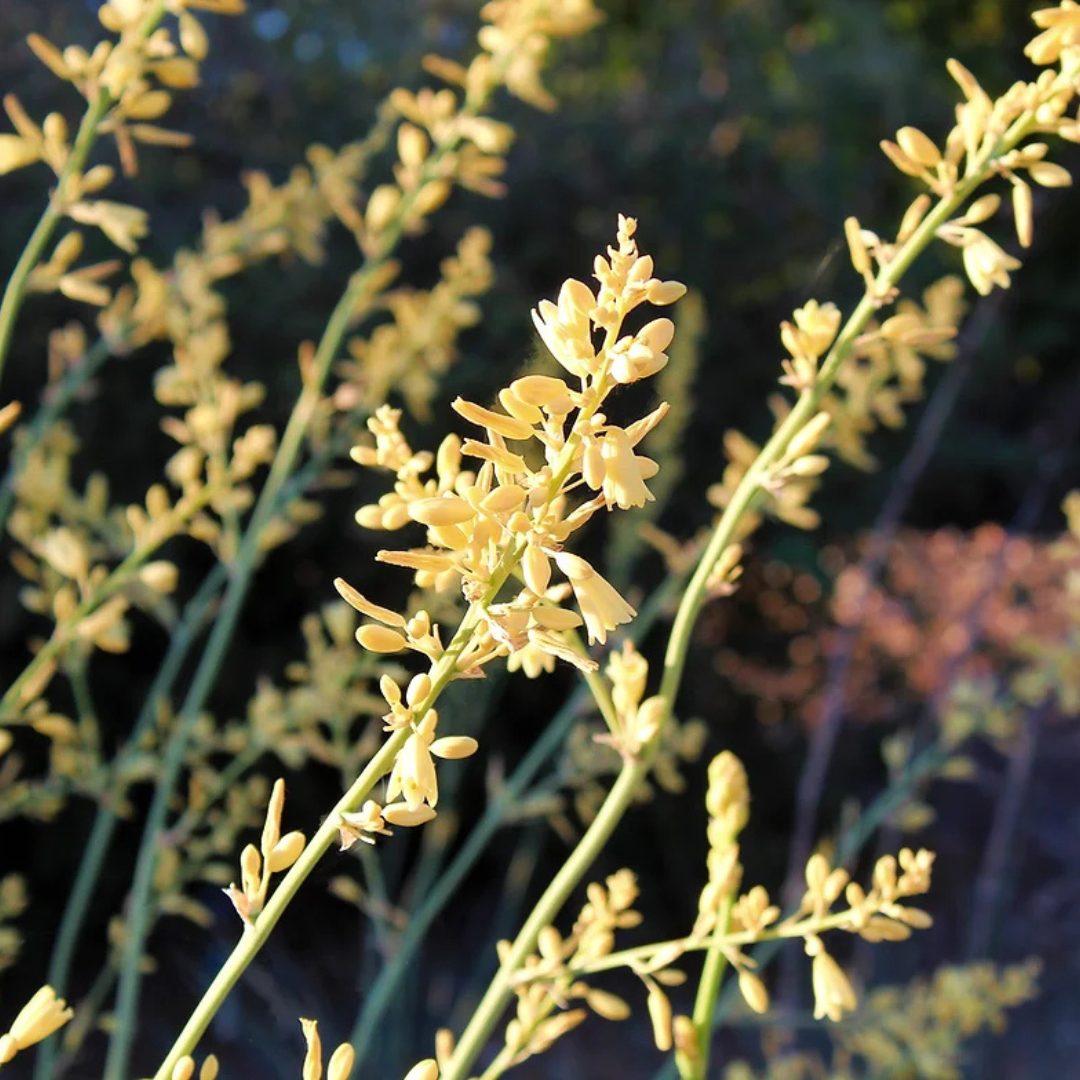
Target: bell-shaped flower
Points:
x,y
986,263
624,472
601,605
413,775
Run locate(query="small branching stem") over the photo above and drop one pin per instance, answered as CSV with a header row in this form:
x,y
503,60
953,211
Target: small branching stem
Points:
x,y
96,111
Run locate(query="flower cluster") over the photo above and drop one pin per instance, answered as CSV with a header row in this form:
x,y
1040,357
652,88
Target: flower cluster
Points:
x,y
514,512
972,147
128,85
545,983
726,923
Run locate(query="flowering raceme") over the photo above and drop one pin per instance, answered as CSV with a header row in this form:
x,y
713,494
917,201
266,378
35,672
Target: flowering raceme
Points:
x,y
512,514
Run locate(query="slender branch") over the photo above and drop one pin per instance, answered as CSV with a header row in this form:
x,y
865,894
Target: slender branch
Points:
x,y
382,991
707,992
54,212
643,954
49,220
106,818
256,934
498,994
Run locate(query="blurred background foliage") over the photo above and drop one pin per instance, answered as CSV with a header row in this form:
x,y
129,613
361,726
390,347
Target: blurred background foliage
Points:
x,y
741,133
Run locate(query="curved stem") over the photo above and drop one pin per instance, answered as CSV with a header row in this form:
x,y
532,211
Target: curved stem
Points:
x,y
46,226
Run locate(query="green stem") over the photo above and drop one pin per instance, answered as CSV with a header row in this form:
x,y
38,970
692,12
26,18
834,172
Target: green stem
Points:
x,y
256,934
499,992
210,665
46,226
205,676
106,818
80,689
71,1039
705,1002
382,991
803,410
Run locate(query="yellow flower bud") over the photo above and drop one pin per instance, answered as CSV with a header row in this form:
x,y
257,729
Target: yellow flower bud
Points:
x,y
454,747
381,639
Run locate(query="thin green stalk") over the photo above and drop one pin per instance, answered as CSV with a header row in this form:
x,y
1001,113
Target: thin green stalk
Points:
x,y
84,1024
106,818
256,934
382,906
54,212
209,668
707,992
803,410
80,690
382,991
47,223
499,992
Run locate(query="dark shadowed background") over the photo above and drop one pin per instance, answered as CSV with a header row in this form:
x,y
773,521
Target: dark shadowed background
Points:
x,y
740,134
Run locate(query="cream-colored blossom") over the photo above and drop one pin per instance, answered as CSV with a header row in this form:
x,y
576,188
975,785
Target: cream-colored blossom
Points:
x,y
624,473
986,263
43,1014
364,824
833,993
1060,32
601,605
413,776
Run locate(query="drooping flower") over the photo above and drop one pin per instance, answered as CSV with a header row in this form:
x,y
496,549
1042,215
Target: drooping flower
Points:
x,y
601,605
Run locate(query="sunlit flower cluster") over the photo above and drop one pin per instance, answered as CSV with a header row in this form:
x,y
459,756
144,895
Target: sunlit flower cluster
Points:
x,y
514,511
